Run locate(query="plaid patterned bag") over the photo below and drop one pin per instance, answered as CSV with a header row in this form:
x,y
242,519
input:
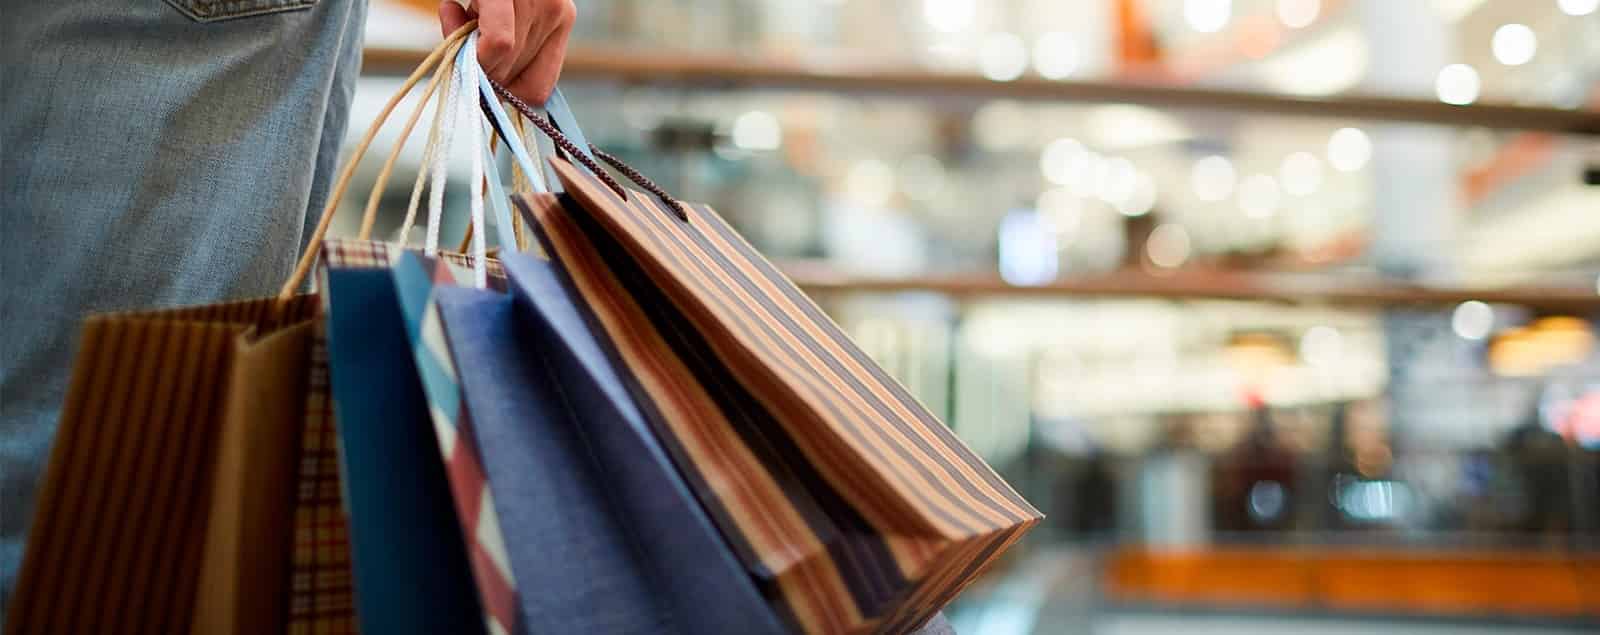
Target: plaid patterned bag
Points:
x,y
321,597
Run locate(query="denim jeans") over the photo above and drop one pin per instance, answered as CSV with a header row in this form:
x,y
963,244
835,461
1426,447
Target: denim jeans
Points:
x,y
154,154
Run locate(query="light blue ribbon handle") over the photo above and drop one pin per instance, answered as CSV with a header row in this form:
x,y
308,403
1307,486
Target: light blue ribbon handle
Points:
x,y
498,199
541,182
561,113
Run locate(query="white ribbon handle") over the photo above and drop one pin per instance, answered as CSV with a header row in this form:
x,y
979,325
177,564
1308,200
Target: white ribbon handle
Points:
x,y
459,100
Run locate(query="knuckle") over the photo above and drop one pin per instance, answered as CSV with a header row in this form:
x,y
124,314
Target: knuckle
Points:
x,y
558,11
495,44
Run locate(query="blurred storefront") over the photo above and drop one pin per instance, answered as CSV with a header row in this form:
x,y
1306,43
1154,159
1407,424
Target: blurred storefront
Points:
x,y
1284,311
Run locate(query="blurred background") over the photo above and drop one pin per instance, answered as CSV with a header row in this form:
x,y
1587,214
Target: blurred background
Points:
x,y
1283,311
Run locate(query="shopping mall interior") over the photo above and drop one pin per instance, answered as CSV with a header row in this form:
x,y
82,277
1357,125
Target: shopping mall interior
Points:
x,y
1283,311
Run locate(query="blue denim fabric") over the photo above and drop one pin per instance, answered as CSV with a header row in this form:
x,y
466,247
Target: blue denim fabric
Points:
x,y
675,536
409,559
576,570
148,159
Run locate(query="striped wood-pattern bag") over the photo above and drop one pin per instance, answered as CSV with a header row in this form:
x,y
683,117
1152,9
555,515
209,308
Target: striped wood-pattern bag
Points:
x,y
857,509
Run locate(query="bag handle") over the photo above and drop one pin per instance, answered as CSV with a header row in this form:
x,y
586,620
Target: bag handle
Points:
x,y
466,74
314,245
369,214
585,155
403,235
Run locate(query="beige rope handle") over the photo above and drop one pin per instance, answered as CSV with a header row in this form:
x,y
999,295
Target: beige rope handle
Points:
x,y
314,245
466,239
402,236
369,216
519,182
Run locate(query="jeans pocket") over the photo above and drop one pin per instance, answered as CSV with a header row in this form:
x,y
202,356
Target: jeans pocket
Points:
x,y
218,10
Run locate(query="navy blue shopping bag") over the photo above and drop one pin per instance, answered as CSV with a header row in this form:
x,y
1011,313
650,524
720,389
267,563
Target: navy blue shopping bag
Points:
x,y
409,561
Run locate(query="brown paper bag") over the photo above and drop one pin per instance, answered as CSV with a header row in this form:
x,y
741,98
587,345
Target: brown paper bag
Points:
x,y
248,527
176,446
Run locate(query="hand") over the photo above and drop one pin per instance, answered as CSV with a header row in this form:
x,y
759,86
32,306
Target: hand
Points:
x,y
521,43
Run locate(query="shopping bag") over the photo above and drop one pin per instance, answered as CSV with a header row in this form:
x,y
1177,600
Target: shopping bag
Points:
x,y
139,522
572,558
855,507
170,503
687,555
629,550
408,557
321,595
426,555
608,562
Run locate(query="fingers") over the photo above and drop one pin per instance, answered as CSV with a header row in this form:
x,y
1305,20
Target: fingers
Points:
x,y
544,18
499,40
451,16
521,43
536,82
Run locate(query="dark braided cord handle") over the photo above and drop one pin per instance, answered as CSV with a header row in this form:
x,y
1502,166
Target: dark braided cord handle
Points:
x,y
572,151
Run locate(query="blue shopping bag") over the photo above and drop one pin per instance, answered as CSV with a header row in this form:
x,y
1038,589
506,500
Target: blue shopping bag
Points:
x,y
676,538
409,561
586,556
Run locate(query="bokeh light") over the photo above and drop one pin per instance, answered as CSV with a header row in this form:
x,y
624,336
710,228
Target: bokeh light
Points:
x,y
1457,84
1258,196
757,130
1004,57
1297,14
1472,320
1055,55
1213,178
1514,44
1301,173
1168,246
1207,16
1349,149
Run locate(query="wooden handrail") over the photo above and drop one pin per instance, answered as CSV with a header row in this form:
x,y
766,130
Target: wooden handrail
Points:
x,y
726,71
1328,289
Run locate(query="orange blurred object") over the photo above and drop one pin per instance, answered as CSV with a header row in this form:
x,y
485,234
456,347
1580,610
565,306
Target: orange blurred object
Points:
x,y
1440,583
